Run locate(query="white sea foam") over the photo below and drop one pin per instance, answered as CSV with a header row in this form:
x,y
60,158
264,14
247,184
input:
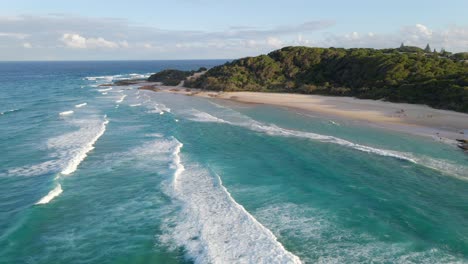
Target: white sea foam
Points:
x,y
443,166
107,78
121,99
212,226
274,130
104,93
205,117
133,105
36,169
158,135
104,90
80,154
323,241
80,105
177,164
65,113
51,195
158,108
110,78
9,111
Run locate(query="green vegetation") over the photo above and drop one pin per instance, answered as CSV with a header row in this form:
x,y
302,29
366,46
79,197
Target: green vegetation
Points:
x,y
172,77
406,74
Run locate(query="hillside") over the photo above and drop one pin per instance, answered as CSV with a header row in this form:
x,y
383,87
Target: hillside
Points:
x,y
171,76
398,75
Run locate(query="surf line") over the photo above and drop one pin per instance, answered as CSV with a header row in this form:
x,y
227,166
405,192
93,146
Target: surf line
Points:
x,y
73,164
195,188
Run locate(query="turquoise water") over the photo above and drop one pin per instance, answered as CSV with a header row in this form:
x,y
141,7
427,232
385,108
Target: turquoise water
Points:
x,y
141,177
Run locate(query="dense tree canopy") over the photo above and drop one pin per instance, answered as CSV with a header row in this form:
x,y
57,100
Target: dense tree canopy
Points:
x,y
409,75
172,77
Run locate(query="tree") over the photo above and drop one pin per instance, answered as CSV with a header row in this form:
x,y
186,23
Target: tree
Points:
x,y
427,49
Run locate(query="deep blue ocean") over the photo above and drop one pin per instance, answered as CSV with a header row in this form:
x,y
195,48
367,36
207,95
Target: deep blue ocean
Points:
x,y
93,174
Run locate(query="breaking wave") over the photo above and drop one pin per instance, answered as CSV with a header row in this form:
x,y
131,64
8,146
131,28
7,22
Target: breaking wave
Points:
x,y
443,166
212,226
121,99
80,153
80,105
51,195
65,113
9,111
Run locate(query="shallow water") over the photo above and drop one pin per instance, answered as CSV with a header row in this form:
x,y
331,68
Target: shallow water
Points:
x,y
91,174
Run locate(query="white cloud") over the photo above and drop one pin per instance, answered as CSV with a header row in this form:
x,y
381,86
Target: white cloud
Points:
x,y
147,46
101,43
274,42
452,38
124,44
27,45
13,35
110,38
79,42
423,30
74,41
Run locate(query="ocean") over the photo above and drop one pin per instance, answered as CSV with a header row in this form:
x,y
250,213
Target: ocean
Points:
x,y
92,174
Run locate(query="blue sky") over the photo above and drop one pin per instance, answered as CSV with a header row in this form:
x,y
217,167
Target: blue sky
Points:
x,y
191,29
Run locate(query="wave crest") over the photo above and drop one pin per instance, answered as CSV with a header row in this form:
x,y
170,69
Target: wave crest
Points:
x,y
443,166
212,226
51,195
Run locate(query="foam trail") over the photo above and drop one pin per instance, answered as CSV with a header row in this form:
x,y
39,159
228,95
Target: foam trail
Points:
x,y
36,169
443,166
82,153
80,105
104,90
9,111
110,78
133,105
278,131
205,117
121,99
104,93
176,162
213,227
65,113
51,195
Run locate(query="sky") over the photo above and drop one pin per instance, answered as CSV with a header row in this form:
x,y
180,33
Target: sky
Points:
x,y
209,29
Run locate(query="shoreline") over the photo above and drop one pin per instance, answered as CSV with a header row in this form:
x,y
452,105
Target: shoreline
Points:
x,y
441,125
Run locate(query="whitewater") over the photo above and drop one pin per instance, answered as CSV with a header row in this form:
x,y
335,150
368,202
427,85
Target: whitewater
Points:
x,y
113,174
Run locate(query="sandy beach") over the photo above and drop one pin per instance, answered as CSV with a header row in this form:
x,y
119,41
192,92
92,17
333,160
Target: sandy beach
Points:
x,y
441,125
